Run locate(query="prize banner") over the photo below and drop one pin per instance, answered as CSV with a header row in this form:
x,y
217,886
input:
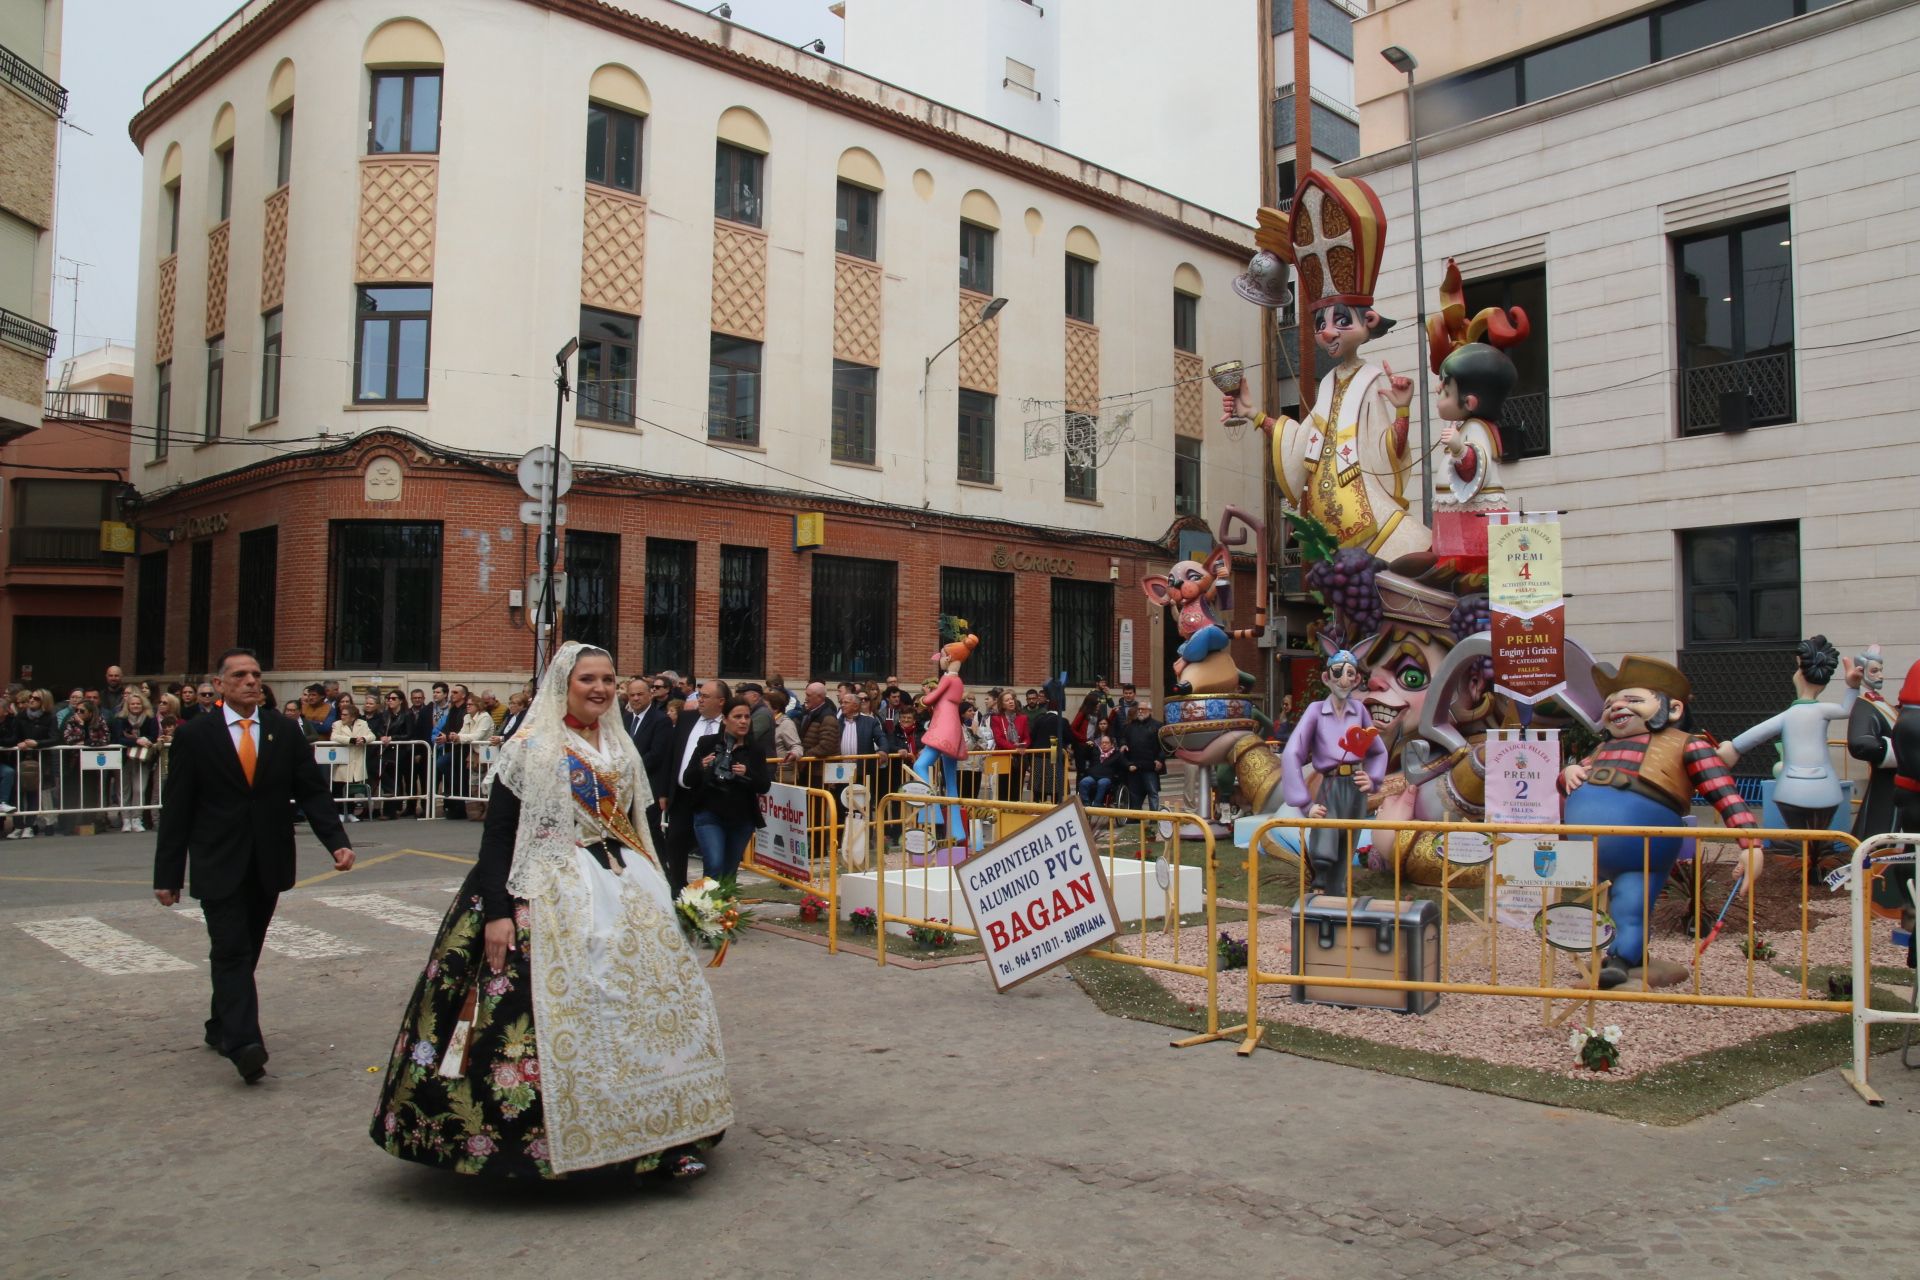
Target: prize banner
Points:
x,y
1523,770
1527,598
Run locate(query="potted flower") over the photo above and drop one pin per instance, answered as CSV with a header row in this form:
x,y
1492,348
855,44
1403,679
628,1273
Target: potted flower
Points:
x,y
1231,951
863,920
1598,1050
932,935
812,907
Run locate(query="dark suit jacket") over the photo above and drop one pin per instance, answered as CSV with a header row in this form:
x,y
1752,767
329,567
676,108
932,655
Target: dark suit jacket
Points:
x,y
654,742
868,735
667,783
211,817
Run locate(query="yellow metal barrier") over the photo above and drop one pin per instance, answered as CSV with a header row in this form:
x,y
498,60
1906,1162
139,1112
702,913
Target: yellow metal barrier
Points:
x,y
1146,827
1864,1014
823,861
1262,840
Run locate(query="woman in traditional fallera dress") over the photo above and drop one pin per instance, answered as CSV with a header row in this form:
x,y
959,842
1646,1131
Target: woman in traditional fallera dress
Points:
x,y
562,1025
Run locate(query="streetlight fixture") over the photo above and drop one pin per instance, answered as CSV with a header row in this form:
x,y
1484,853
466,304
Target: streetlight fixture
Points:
x,y
1403,61
813,46
723,11
987,312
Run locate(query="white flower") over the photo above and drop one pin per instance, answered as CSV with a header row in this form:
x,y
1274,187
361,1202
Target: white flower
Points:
x,y
1611,1034
1577,1039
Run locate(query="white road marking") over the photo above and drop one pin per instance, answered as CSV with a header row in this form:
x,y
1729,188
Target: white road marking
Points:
x,y
294,940
388,911
103,948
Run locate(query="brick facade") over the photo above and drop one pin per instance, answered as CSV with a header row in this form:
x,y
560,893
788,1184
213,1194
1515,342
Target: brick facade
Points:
x,y
487,553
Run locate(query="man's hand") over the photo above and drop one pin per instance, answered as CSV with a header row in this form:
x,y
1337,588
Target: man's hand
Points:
x,y
497,939
1572,778
1855,672
166,897
1398,388
1728,756
1316,811
1753,860
343,859
1363,783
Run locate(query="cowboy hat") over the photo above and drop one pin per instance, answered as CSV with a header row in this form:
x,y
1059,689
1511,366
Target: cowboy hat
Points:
x,y
1637,671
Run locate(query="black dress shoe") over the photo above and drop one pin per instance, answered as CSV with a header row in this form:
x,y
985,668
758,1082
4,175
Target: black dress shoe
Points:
x,y
211,1041
250,1060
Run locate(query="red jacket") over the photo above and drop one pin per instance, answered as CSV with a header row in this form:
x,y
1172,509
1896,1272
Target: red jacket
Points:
x,y
1009,731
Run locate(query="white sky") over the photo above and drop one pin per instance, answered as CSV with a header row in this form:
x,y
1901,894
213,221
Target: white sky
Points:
x,y
112,50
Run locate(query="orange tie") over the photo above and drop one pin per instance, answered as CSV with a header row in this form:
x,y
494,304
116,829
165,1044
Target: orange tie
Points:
x,y
246,749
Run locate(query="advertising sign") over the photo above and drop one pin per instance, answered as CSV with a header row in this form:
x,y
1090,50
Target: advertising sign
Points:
x,y
782,844
1038,897
1526,594
1523,766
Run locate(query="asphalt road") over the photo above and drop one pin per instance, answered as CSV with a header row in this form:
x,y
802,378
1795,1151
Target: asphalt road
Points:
x,y
891,1122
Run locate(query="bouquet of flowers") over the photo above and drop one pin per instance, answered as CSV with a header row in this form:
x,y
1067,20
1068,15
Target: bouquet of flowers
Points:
x,y
1232,951
1598,1050
812,907
931,935
711,911
863,921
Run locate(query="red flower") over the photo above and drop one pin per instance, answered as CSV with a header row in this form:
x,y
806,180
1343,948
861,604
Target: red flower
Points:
x,y
1358,738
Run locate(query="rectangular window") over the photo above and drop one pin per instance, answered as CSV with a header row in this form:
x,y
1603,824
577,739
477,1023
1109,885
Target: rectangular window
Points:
x,y
259,592
853,412
270,365
391,344
150,623
283,159
1186,476
170,199
224,158
743,611
216,385
1020,77
737,194
985,600
1082,456
856,222
1079,289
593,588
386,595
853,604
58,521
733,392
609,364
1082,630
1682,28
976,258
405,117
199,603
1741,585
1186,322
1525,429
162,409
669,615
976,437
1734,293
613,148
1447,103
1588,59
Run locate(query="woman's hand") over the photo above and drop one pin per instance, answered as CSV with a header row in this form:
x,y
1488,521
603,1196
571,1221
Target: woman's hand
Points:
x,y
708,762
739,769
143,743
499,941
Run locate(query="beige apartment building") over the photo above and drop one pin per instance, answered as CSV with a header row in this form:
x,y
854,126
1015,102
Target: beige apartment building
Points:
x,y
1709,208
31,105
367,231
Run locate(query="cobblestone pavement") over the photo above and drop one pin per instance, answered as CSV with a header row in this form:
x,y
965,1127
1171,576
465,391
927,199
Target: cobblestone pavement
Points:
x,y
891,1122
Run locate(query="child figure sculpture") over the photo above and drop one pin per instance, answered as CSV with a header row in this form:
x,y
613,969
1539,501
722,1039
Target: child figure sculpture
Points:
x,y
1475,377
945,741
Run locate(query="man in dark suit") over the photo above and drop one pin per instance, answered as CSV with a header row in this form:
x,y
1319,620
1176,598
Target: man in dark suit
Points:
x,y
645,717
231,778
671,796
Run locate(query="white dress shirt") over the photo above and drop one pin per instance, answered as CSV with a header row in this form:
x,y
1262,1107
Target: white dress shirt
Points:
x,y
233,727
705,728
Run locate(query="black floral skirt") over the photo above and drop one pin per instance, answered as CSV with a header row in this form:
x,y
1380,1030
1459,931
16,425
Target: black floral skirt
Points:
x,y
488,1120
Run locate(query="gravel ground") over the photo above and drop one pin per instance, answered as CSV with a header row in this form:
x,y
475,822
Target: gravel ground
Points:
x,y
1510,1031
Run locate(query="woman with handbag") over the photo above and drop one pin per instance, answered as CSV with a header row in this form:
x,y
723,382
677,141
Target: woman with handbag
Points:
x,y
86,727
38,731
727,784
135,731
350,776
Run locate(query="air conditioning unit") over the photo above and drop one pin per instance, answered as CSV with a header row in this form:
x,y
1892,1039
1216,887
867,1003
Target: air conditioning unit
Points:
x,y
1736,411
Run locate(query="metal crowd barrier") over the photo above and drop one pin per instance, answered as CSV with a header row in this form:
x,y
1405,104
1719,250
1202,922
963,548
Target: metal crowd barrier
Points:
x,y
819,874
51,783
1895,848
982,775
1263,844
1124,836
462,772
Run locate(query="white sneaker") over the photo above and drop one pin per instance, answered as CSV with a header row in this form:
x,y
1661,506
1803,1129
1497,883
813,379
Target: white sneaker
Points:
x,y
29,833
16,833
5,807
352,818
139,824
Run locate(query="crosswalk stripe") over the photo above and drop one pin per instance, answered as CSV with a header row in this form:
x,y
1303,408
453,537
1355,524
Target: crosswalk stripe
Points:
x,y
388,911
101,947
294,940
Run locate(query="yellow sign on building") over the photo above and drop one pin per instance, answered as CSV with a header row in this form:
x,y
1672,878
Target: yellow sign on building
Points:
x,y
117,538
809,530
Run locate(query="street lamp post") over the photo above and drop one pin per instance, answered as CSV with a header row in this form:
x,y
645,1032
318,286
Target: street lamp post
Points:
x,y
1405,63
988,312
548,616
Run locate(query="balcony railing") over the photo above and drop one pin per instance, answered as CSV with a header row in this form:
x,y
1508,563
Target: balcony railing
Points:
x,y
32,81
92,406
1524,428
29,545
28,335
1710,395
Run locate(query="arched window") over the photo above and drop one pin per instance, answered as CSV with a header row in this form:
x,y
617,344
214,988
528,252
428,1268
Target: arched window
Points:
x,y
223,163
857,205
1083,253
280,107
404,60
739,168
979,226
617,107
